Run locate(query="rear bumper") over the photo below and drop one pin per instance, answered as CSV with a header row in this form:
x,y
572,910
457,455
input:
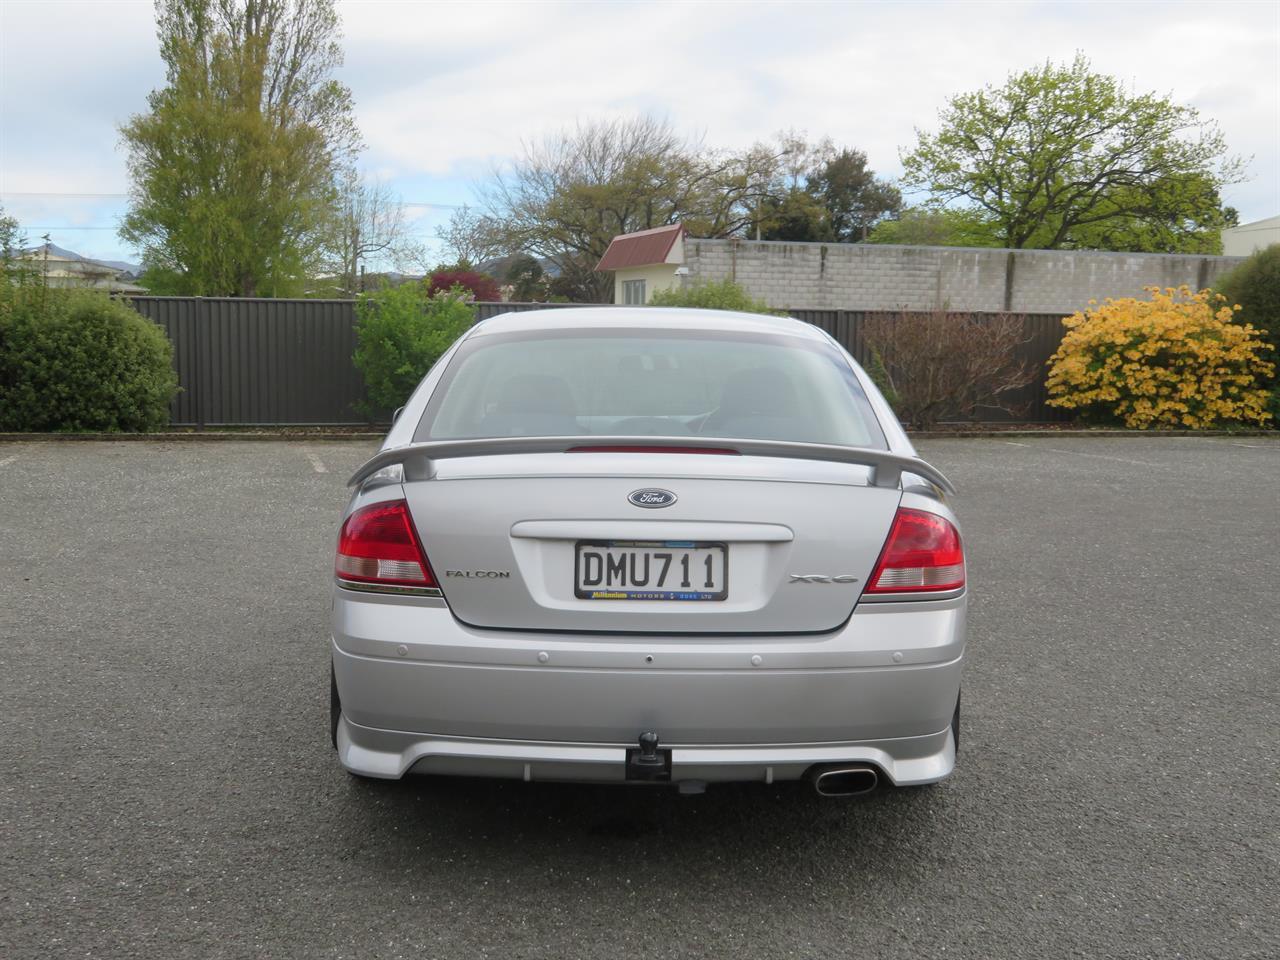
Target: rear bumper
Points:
x,y
391,754
422,692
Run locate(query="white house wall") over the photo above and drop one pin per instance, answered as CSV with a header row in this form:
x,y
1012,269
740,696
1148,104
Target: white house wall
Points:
x,y
657,276
1250,237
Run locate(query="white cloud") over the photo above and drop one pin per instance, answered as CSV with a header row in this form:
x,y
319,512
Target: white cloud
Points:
x,y
445,89
475,79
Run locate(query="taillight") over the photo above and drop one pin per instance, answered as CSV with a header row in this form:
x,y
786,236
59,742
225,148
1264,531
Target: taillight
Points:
x,y
923,553
378,545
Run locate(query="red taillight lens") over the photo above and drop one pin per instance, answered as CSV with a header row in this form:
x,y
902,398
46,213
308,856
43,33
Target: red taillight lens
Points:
x,y
923,553
378,545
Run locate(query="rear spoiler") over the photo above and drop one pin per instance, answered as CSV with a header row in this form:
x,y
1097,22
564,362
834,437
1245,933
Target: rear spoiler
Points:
x,y
417,459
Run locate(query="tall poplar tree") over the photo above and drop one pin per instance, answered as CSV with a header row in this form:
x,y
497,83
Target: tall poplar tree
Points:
x,y
234,166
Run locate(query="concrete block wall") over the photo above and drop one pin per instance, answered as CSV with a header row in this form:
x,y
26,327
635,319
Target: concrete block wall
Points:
x,y
845,276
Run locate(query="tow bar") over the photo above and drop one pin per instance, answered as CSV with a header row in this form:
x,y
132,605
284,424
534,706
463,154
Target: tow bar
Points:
x,y
647,761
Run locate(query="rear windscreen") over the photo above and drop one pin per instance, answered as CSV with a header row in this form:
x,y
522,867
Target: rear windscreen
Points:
x,y
650,383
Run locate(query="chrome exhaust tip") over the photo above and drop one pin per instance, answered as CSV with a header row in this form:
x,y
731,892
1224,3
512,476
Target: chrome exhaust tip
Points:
x,y
851,780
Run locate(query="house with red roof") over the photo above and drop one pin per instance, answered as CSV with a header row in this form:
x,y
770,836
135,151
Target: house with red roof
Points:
x,y
644,262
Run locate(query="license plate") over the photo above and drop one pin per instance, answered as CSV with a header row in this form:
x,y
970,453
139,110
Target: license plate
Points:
x,y
650,570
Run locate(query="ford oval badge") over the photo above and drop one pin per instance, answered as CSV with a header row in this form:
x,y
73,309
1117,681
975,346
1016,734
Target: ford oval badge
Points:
x,y
652,497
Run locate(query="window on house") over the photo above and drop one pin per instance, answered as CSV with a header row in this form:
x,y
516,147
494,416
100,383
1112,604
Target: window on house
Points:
x,y
633,291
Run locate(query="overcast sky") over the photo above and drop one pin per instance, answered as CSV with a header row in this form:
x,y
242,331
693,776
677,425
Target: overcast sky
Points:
x,y
443,91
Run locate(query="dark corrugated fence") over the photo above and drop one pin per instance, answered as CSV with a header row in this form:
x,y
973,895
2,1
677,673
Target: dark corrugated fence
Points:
x,y
250,362
283,362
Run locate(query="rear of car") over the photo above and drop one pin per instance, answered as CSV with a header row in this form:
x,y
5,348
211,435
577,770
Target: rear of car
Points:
x,y
648,545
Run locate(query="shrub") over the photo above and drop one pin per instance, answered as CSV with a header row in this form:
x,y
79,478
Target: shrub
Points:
x,y
78,360
879,375
725,295
480,286
1176,360
936,363
400,333
1255,286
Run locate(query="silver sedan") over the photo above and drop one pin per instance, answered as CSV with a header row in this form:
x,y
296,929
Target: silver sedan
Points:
x,y
648,545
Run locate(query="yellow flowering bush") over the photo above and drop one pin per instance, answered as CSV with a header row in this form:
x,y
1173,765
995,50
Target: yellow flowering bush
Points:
x,y
1176,360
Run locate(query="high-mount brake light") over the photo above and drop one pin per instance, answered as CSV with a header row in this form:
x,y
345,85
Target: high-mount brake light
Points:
x,y
651,448
922,555
378,547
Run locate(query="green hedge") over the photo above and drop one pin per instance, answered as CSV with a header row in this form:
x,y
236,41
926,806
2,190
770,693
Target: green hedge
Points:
x,y
724,295
76,360
400,332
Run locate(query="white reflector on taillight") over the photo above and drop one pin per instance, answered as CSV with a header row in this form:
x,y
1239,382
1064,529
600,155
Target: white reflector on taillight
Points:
x,y
378,545
367,568
923,553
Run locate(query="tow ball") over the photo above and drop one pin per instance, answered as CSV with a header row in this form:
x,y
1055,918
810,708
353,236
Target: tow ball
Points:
x,y
647,761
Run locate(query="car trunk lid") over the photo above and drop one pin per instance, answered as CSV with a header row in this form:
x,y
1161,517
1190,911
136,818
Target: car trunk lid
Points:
x,y
798,538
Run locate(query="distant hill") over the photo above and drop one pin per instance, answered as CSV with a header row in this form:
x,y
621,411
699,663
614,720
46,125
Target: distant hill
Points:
x,y
122,265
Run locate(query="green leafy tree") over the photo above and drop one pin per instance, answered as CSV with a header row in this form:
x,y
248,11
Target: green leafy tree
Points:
x,y
526,277
853,196
162,281
1182,214
1064,157
797,216
787,209
821,194
17,272
400,332
936,227
235,164
11,237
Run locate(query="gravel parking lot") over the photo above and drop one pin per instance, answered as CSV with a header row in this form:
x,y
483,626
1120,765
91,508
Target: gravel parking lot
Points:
x,y
169,789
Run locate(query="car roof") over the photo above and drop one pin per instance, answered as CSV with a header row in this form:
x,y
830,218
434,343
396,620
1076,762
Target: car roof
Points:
x,y
649,318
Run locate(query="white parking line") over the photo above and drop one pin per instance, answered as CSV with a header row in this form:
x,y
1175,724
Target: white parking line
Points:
x,y
6,461
1099,456
316,463
1103,456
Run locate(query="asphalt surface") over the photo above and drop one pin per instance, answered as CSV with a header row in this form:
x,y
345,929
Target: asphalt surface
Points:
x,y
167,788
